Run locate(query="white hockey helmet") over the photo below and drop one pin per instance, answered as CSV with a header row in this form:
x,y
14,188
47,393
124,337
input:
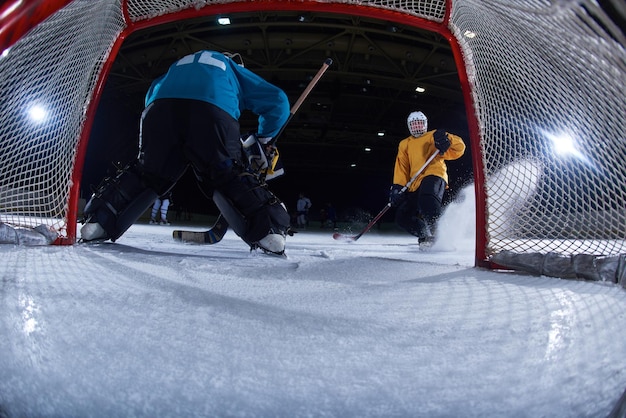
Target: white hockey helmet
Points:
x,y
417,123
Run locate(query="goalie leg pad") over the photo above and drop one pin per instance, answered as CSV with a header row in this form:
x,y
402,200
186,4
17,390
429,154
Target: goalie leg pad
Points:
x,y
234,218
118,203
251,209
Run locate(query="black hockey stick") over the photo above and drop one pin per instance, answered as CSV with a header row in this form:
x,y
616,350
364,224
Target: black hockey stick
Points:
x,y
218,230
212,236
352,238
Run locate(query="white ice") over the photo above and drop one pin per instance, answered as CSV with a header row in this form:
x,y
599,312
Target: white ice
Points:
x,y
148,327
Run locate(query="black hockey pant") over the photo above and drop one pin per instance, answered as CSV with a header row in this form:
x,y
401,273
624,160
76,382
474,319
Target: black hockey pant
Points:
x,y
420,209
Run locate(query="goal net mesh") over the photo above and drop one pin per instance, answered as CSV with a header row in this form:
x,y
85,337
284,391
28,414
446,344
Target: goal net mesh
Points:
x,y
547,81
547,85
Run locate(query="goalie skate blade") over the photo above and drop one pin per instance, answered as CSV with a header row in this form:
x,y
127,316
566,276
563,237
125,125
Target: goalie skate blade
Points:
x,y
280,254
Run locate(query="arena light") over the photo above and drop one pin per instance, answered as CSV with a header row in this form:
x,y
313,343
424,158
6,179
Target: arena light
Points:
x,y
420,89
305,18
37,113
10,9
469,34
224,20
564,145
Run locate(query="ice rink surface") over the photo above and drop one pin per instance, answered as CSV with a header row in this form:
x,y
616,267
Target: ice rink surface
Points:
x,y
149,327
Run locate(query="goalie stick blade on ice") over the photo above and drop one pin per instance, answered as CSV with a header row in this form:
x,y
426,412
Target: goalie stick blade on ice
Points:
x,y
212,236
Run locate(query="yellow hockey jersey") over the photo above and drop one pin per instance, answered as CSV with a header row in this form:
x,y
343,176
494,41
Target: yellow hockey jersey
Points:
x,y
413,153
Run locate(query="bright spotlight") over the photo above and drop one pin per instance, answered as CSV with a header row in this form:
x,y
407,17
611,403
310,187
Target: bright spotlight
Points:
x,y
37,113
469,34
564,145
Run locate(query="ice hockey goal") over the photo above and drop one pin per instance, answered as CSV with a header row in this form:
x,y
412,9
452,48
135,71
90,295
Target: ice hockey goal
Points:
x,y
543,83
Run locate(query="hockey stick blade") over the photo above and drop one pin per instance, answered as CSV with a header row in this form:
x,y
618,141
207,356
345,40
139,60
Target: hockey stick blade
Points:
x,y
212,236
342,237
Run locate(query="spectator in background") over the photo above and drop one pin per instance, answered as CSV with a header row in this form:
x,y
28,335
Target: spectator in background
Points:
x,y
302,207
161,204
331,216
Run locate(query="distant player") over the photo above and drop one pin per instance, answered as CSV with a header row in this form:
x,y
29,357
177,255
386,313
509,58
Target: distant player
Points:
x,y
303,205
419,208
191,120
161,206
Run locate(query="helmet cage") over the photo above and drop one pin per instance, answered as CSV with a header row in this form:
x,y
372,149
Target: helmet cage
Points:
x,y
417,124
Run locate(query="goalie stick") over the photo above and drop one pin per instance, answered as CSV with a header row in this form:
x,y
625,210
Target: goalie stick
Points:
x,y
327,63
211,236
218,230
352,238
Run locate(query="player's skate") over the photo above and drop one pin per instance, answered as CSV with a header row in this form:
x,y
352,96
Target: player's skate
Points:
x,y
273,243
115,205
92,231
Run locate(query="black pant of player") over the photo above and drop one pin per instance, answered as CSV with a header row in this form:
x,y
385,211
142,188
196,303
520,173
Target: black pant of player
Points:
x,y
176,133
419,211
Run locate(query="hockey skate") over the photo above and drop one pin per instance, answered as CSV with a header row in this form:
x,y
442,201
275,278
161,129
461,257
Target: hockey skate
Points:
x,y
92,231
271,244
426,243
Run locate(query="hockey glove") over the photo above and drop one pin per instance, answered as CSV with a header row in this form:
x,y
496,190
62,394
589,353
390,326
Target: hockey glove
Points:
x,y
396,198
275,168
442,142
255,152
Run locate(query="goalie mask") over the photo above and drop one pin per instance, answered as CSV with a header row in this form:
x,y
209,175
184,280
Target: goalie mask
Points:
x,y
417,123
235,57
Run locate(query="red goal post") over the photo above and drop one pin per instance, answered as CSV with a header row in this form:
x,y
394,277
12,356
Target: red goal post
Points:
x,y
533,76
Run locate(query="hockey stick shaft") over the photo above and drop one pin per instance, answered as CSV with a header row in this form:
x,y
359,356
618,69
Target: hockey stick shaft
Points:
x,y
388,205
418,172
303,96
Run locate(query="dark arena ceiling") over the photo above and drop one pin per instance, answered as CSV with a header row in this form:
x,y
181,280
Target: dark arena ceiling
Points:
x,y
369,89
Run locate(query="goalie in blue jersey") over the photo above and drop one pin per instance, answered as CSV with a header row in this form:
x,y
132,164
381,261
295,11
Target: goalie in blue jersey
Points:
x,y
191,120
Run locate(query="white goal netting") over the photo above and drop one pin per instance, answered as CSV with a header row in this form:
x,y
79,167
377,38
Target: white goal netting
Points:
x,y
546,81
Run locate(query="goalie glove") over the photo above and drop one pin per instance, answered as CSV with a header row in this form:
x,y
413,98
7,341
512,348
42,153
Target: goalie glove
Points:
x,y
275,167
262,157
257,153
